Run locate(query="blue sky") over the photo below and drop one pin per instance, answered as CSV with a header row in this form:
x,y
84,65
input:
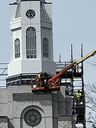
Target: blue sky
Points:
x,y
74,21
4,31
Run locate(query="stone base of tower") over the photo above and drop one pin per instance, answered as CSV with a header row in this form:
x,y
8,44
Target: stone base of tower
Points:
x,y
20,108
39,105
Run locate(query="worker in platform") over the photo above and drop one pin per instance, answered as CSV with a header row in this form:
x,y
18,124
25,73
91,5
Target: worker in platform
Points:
x,y
78,97
39,79
46,77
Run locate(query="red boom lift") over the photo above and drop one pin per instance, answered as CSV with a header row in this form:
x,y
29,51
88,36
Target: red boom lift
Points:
x,y
53,83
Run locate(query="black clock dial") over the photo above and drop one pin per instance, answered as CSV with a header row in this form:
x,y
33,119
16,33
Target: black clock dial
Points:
x,y
30,13
32,117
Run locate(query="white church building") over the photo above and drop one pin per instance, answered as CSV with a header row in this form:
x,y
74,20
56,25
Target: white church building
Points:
x,y
32,53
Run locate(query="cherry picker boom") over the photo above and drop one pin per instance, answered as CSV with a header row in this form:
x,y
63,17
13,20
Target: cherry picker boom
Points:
x,y
53,83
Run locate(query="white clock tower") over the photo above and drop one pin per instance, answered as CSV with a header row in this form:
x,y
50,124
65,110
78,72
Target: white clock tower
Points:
x,y
32,53
31,39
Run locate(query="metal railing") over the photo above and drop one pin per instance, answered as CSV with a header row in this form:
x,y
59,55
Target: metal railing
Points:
x,y
3,74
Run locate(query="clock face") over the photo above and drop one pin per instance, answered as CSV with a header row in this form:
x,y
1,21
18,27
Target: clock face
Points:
x,y
30,13
32,117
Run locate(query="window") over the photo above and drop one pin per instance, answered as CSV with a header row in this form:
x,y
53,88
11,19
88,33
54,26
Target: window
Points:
x,y
17,48
30,13
32,117
45,47
31,42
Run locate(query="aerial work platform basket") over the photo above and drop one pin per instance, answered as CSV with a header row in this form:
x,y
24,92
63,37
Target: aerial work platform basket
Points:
x,y
46,83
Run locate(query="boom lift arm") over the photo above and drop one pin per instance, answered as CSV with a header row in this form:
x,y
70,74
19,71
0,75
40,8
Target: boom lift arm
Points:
x,y
54,82
70,66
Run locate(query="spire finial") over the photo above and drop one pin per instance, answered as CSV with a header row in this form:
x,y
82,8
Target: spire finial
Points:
x,y
59,57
